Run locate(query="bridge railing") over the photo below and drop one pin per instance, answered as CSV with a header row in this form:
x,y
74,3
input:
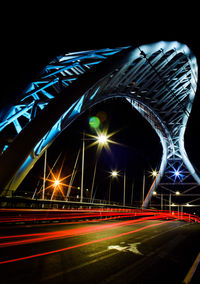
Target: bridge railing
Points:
x,y
26,200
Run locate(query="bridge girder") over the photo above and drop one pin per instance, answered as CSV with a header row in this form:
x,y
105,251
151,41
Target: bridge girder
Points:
x,y
158,79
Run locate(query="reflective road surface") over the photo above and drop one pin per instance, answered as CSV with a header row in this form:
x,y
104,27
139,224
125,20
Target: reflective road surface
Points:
x,y
143,250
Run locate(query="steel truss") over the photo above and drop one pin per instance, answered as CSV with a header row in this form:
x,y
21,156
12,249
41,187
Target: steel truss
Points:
x,y
159,80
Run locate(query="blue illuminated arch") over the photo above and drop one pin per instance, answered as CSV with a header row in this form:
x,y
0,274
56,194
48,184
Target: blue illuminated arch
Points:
x,y
158,79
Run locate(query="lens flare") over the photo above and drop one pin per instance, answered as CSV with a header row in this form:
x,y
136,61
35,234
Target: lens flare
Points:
x,y
102,138
94,122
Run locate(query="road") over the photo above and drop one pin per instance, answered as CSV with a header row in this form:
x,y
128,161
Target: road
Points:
x,y
112,251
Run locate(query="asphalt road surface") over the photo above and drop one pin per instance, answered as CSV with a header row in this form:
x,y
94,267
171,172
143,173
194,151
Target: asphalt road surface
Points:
x,y
120,251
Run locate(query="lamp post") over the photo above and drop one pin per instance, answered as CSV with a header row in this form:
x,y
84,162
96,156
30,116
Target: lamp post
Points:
x,y
161,201
143,187
132,188
154,174
56,185
102,140
82,171
124,195
114,174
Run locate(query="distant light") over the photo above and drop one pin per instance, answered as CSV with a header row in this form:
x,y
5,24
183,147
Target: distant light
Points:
x,y
154,173
94,122
102,138
154,192
177,192
114,173
56,182
177,173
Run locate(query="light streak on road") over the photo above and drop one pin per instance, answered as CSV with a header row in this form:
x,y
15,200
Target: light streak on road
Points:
x,y
82,244
40,237
126,219
29,215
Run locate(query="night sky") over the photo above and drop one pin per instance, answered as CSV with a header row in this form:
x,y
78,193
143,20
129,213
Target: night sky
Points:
x,y
27,51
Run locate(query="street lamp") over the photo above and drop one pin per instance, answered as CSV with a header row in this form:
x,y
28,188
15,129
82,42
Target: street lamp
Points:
x,y
56,182
154,173
176,173
102,139
113,174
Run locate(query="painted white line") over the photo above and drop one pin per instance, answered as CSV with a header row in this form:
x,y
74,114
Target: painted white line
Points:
x,y
97,253
192,270
162,233
54,276
133,248
130,247
117,247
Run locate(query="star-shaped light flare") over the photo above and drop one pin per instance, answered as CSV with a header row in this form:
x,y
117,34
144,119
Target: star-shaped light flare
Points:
x,y
56,182
102,139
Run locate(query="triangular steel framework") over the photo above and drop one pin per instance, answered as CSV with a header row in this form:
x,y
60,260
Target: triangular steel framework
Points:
x,y
159,80
177,183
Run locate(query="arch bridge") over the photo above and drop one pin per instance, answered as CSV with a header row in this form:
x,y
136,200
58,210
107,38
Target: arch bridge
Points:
x,y
159,80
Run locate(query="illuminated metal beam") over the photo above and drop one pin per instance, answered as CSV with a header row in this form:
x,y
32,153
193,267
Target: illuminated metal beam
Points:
x,y
19,157
158,79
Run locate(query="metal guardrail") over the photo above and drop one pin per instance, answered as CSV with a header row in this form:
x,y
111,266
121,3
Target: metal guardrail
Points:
x,y
72,202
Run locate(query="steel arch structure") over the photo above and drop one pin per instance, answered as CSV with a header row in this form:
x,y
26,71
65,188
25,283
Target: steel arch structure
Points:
x,y
158,79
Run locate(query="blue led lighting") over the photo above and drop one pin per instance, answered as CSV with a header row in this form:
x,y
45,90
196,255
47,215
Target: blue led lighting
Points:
x,y
155,79
176,173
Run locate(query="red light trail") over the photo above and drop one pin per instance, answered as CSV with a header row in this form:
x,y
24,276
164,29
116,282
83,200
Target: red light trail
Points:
x,y
82,244
29,215
39,237
76,216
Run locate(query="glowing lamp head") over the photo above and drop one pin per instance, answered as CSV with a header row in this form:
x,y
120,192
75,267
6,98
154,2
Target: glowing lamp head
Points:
x,y
154,173
177,173
114,174
56,182
102,139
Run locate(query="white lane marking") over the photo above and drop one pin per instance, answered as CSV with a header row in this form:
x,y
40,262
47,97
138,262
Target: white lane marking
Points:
x,y
130,247
119,248
53,276
133,248
164,232
192,270
97,253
